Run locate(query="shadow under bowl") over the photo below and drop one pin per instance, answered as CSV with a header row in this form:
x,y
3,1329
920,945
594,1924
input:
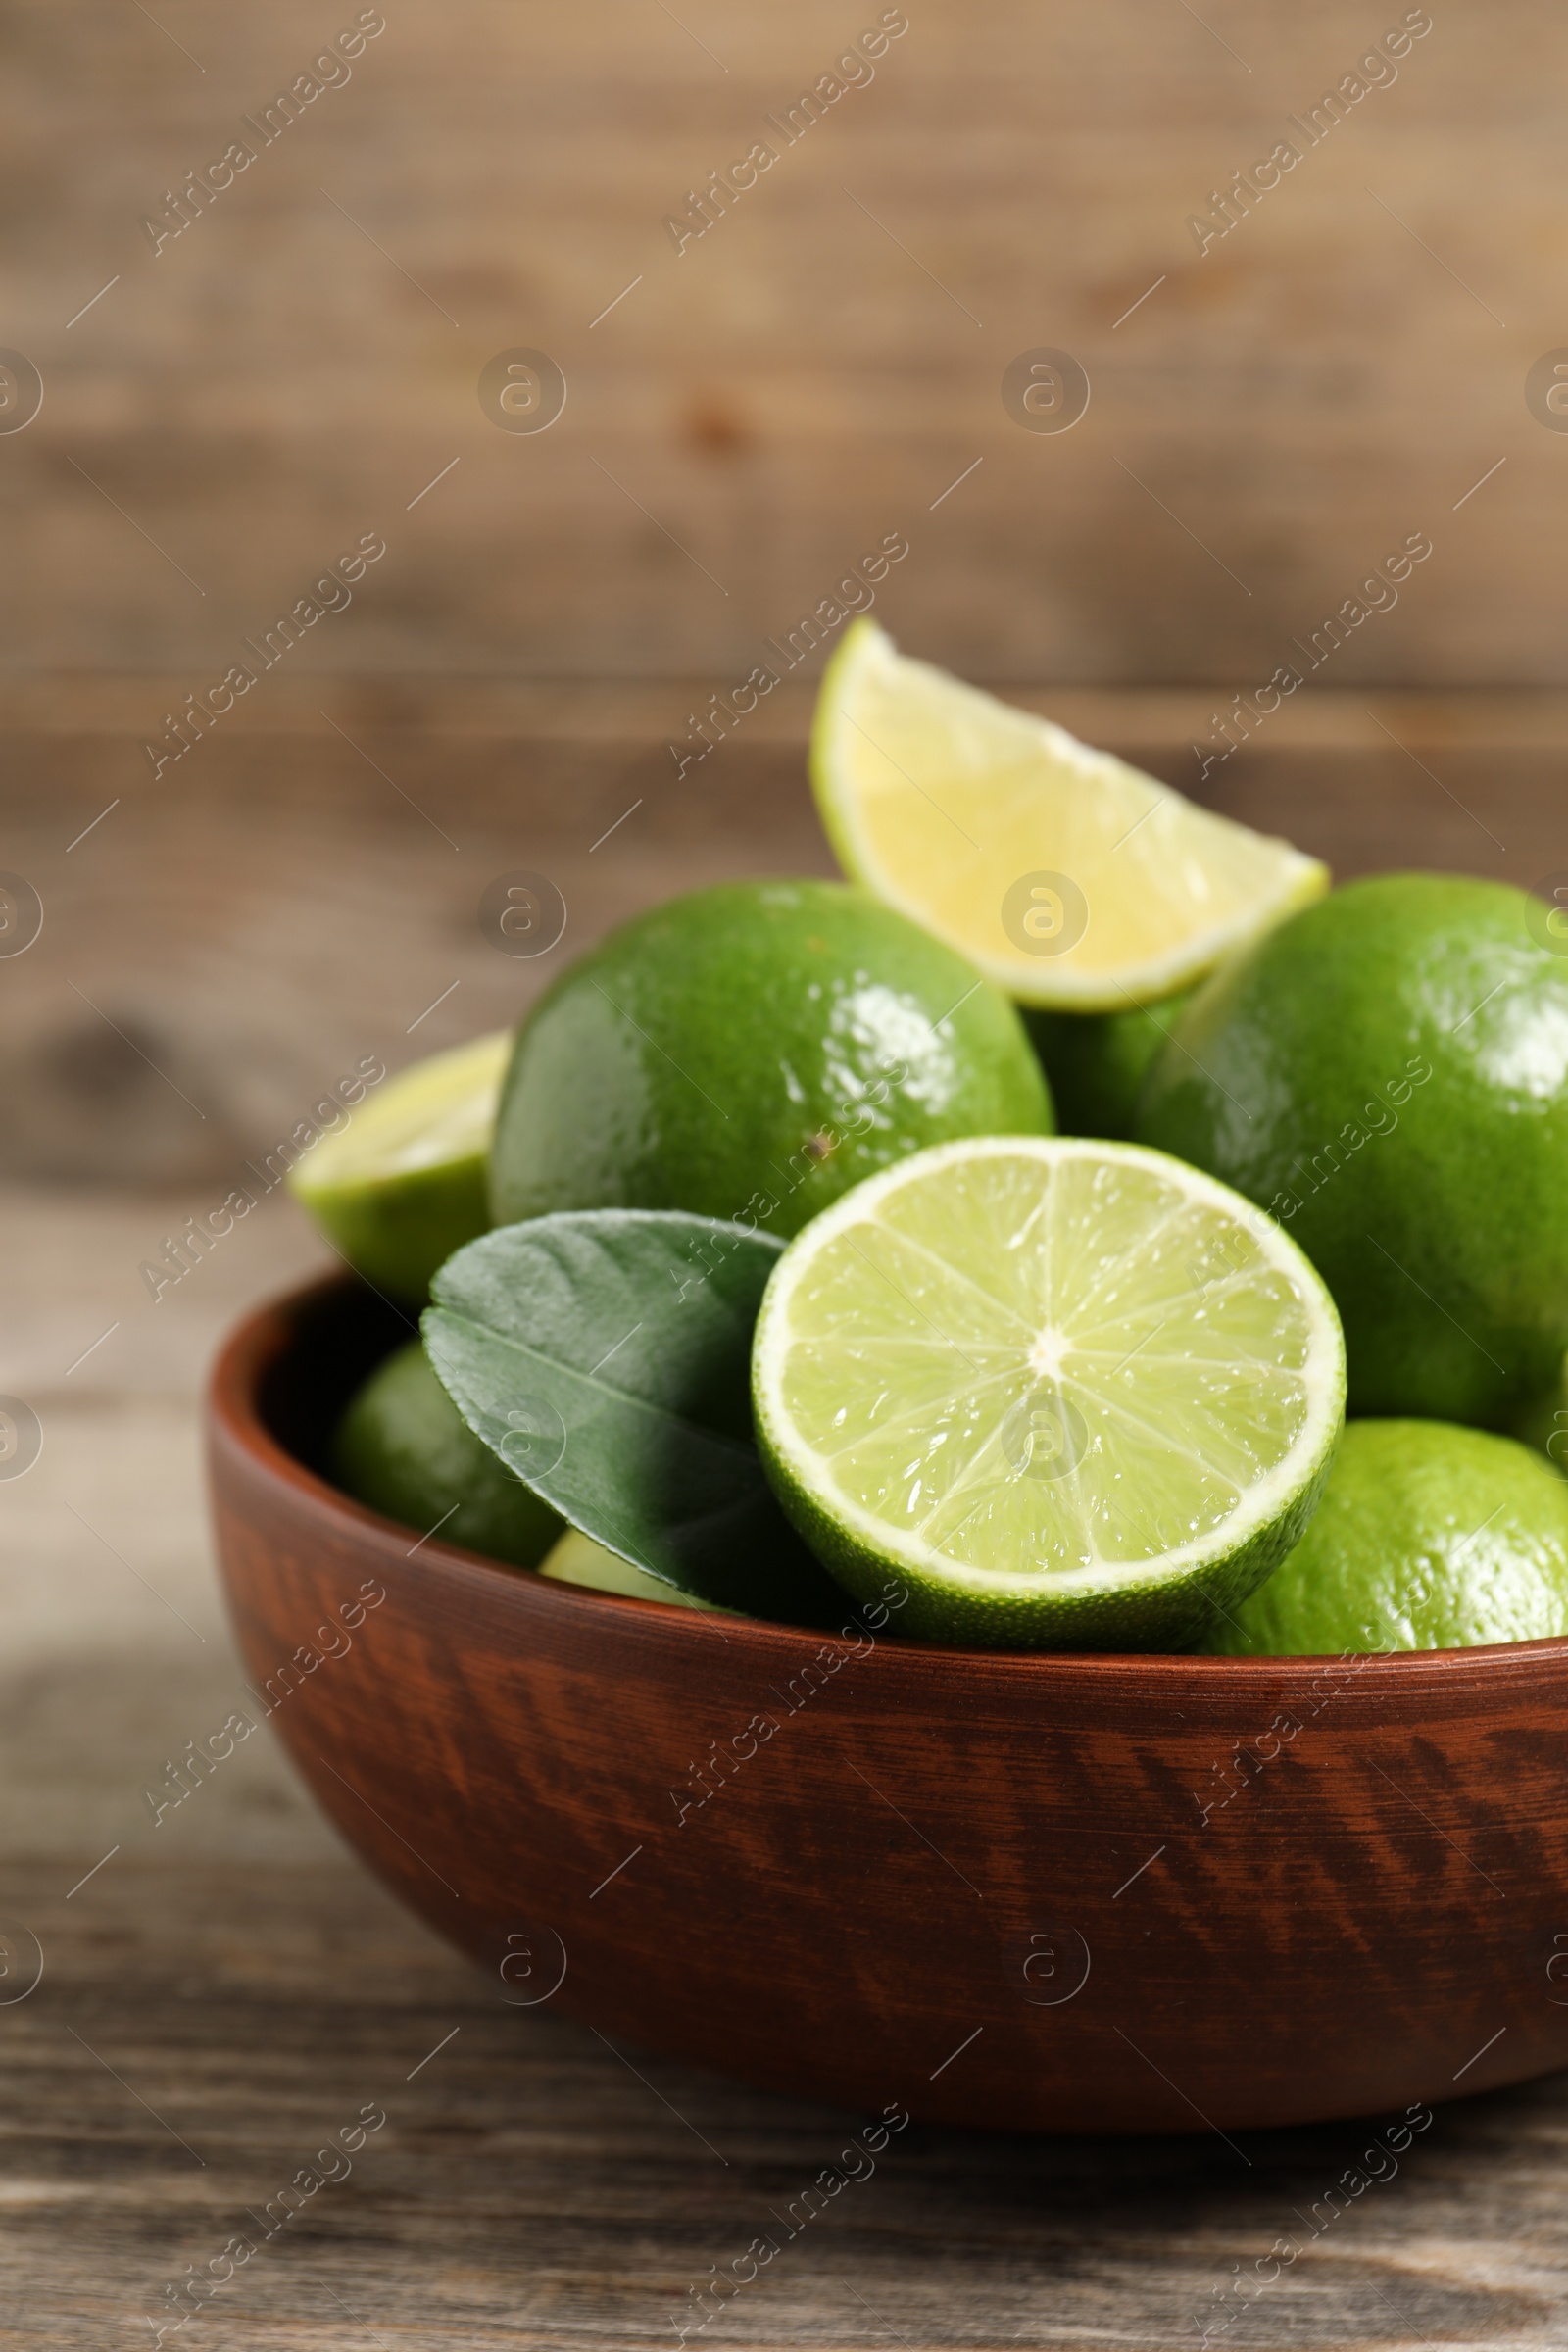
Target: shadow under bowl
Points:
x,y
1066,1893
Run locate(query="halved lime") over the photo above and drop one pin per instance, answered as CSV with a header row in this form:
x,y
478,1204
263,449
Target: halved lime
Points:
x,y
1068,1393
406,1182
1069,878
577,1559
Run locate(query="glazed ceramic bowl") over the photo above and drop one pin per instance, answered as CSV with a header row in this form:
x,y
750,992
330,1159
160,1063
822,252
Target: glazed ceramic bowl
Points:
x,y
1071,1893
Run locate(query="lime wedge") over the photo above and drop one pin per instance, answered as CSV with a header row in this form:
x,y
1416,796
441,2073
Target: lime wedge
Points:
x,y
406,1182
1069,878
577,1559
1071,1394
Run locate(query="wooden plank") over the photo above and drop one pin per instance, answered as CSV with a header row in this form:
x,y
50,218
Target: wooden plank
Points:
x,y
590,713
533,2187
1342,369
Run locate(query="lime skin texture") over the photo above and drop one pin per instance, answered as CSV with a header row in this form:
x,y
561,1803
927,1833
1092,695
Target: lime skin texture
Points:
x,y
1428,1538
404,1450
1388,1074
1095,1062
751,1051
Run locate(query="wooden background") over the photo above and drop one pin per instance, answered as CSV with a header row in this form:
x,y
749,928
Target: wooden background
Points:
x,y
811,374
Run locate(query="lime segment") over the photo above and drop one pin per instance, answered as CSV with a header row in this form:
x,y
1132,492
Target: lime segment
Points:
x,y
1073,1393
1069,878
406,1182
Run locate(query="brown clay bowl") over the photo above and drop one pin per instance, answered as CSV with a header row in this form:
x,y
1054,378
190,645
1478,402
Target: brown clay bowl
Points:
x,y
985,1886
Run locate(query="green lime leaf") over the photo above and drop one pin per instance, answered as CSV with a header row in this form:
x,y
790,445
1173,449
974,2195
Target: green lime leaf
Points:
x,y
605,1355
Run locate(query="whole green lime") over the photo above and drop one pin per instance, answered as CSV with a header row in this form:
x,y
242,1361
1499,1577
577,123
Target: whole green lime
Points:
x,y
404,1448
753,1051
1095,1062
1388,1074
1428,1536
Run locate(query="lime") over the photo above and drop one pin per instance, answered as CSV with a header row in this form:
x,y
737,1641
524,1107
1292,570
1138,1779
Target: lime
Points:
x,y
1069,878
1387,1073
1070,1394
577,1559
406,1182
402,1448
1545,1424
751,1052
1428,1538
1095,1062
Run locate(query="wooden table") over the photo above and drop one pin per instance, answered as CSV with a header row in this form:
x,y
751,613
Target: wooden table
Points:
x,y
224,1987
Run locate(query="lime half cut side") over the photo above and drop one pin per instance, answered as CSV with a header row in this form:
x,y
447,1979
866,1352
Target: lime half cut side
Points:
x,y
1069,878
406,1182
1071,1394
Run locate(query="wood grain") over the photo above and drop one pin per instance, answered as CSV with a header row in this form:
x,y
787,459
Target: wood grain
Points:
x,y
818,369
533,2187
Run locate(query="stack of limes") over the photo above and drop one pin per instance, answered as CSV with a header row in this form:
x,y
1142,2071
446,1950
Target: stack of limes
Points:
x,y
1064,1390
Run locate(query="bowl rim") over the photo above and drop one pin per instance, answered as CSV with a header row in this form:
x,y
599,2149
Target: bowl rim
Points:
x,y
253,1344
